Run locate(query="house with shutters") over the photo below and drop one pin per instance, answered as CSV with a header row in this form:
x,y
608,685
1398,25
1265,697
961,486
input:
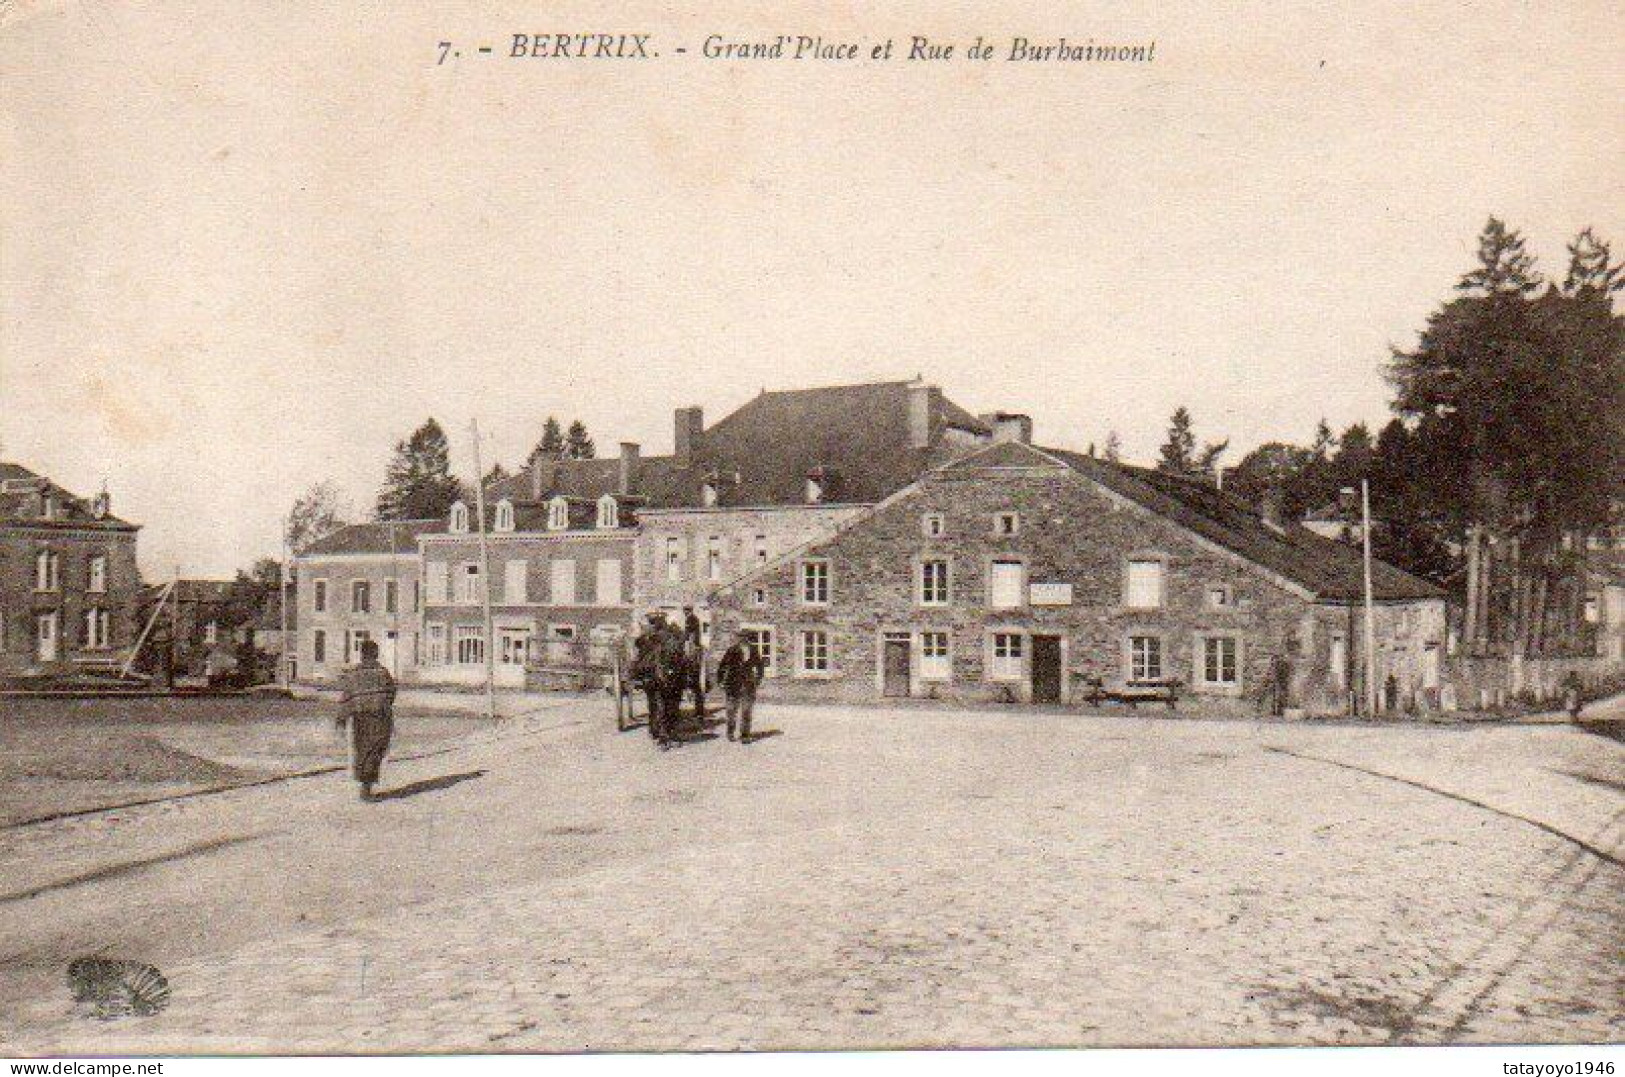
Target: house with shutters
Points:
x,y
1018,573
559,540
362,582
68,578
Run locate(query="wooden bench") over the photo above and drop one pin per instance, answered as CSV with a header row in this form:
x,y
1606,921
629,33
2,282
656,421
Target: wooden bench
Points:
x,y
1133,693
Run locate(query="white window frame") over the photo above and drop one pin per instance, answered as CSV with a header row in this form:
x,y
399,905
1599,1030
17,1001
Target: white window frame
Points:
x,y
211,633
1135,660
360,596
1200,662
47,571
708,495
474,637
1130,599
933,525
1020,590
674,559
558,514
758,597
609,513
814,657
1006,655
713,558
438,654
98,575
353,639
934,593
504,521
1218,596
815,585
97,623
755,634
458,523
814,491
468,583
936,668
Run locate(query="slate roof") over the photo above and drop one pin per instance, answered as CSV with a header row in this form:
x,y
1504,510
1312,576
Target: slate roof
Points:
x,y
374,537
20,505
1332,570
858,433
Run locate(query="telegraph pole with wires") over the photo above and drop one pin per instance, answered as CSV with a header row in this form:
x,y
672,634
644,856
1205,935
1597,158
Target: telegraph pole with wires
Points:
x,y
485,574
1370,607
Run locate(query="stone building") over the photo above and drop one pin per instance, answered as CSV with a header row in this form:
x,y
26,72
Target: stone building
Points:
x,y
68,578
361,582
1025,574
560,578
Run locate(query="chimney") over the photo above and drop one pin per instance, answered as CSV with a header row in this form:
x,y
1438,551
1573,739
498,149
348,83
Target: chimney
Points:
x,y
629,466
690,427
924,404
1009,426
1270,509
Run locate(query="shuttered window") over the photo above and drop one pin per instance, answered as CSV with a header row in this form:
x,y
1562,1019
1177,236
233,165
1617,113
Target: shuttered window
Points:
x,y
1005,583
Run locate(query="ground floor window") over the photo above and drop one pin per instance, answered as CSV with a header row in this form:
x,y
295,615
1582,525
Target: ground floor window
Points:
x,y
934,663
762,640
1145,658
98,625
470,641
1008,650
437,644
353,639
815,651
318,646
1219,661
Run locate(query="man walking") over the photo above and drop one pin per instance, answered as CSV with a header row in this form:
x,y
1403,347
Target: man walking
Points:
x,y
646,675
369,704
740,671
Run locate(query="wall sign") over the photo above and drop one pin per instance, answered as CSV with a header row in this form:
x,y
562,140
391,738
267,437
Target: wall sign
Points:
x,y
1049,594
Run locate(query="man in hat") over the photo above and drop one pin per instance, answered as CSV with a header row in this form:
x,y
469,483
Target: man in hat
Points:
x,y
739,672
694,660
369,704
648,675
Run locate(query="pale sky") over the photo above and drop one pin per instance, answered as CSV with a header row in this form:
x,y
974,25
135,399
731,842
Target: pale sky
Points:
x,y
248,246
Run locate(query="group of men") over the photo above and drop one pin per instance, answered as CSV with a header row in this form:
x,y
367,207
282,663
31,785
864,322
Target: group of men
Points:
x,y
669,661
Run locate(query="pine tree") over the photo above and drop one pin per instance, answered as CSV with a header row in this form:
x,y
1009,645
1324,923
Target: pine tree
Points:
x,y
419,484
1504,266
578,445
1591,272
1175,455
496,474
551,447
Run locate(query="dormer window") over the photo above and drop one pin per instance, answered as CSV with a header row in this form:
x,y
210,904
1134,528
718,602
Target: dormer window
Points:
x,y
609,513
708,494
504,515
815,489
558,515
459,518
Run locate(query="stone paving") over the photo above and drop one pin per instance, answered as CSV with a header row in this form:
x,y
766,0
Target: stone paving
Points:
x,y
863,879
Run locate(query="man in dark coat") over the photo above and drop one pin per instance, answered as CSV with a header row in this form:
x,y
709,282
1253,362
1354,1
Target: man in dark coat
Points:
x,y
656,669
739,672
369,704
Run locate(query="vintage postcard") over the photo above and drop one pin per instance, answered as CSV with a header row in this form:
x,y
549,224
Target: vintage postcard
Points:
x,y
587,527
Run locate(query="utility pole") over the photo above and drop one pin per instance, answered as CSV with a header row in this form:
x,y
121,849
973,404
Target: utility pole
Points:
x,y
485,574
1370,610
282,604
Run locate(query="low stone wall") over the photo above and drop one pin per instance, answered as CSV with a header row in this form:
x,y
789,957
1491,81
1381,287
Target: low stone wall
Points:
x,y
1490,683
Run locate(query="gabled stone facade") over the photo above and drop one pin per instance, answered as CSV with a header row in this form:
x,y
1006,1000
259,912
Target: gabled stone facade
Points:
x,y
1012,582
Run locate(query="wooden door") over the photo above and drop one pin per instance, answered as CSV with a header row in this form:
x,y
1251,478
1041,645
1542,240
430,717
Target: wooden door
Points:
x,y
894,667
1046,669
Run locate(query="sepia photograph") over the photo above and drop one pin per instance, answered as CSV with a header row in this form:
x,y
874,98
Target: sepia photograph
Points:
x,y
574,529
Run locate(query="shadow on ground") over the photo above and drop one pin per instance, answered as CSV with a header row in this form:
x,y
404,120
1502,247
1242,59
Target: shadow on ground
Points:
x,y
429,785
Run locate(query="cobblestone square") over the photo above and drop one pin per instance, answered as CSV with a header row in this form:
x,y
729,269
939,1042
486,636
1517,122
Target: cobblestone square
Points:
x,y
861,878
